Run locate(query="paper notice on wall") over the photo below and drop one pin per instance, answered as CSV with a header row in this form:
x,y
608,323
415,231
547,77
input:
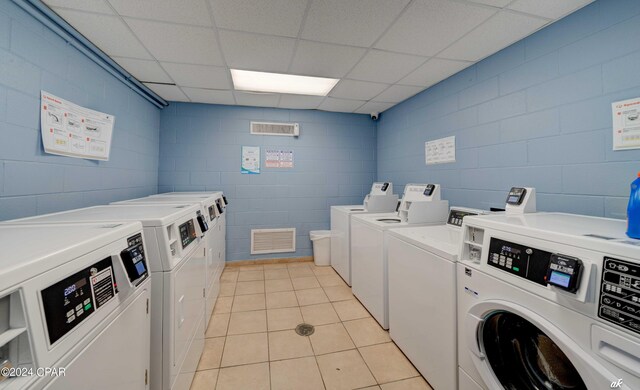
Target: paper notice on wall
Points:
x,y
626,124
278,158
440,151
74,131
250,160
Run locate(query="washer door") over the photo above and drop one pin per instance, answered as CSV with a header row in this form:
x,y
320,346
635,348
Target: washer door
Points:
x,y
524,357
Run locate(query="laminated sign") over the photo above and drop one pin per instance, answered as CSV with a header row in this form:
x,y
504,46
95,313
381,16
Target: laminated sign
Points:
x,y
626,124
278,158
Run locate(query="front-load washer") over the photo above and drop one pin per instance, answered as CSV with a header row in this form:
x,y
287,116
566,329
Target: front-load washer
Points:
x,y
422,296
421,205
74,306
380,199
176,259
548,301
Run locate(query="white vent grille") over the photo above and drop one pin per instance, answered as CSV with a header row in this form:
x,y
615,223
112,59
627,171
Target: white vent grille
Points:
x,y
268,128
273,241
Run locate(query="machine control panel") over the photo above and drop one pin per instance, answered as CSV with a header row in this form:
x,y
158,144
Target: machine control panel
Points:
x,y
224,199
564,272
456,216
73,299
219,206
620,294
187,233
516,196
212,213
529,263
428,190
134,260
202,222
384,187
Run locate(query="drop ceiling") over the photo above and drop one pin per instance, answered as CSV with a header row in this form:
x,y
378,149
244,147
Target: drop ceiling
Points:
x,y
383,51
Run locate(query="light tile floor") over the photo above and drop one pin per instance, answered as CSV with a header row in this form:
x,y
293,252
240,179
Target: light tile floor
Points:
x,y
251,342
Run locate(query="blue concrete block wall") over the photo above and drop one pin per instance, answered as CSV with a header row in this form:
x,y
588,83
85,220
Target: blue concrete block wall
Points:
x,y
334,163
33,58
537,113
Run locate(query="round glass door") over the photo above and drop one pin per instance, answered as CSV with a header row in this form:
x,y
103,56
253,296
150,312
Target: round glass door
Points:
x,y
523,357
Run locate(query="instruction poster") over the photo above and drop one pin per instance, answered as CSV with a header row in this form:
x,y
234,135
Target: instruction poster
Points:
x,y
278,158
250,160
74,131
626,124
440,151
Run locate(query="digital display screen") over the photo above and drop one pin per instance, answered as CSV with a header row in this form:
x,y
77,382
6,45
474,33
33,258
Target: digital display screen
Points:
x,y
513,199
75,286
140,267
560,279
510,249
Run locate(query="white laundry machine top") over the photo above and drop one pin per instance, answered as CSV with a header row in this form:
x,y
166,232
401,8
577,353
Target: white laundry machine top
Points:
x,y
208,205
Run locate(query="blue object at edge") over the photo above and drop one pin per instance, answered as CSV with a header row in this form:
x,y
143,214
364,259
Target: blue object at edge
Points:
x,y
633,210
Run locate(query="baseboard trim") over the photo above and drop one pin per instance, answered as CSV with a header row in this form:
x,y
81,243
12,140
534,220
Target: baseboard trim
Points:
x,y
283,260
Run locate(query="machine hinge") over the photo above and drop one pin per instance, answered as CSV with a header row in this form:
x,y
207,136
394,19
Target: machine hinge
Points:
x,y
147,305
146,377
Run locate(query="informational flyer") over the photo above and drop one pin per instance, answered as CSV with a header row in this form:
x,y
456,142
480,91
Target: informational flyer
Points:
x,y
74,131
250,160
278,158
626,124
440,151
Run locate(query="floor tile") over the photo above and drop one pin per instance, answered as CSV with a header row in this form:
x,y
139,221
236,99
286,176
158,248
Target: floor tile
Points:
x,y
218,325
387,363
223,305
282,319
296,374
276,285
366,331
227,289
350,310
303,264
320,314
287,344
416,383
338,293
300,272
311,297
370,388
248,322
253,287
326,270
248,303
252,376
246,276
344,370
276,300
305,282
251,267
281,273
211,354
330,338
245,349
330,280
275,266
204,380
229,276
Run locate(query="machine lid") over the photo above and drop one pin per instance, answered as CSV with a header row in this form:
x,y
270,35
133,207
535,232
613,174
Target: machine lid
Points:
x,y
522,357
441,240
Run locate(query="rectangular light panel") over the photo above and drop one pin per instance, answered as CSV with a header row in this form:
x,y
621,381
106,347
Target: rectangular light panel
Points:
x,y
246,80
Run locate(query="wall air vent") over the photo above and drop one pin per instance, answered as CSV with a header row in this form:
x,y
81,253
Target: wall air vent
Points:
x,y
273,241
269,128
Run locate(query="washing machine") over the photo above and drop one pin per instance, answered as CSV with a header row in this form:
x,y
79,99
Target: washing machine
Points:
x,y
74,306
548,301
421,205
176,260
422,296
380,199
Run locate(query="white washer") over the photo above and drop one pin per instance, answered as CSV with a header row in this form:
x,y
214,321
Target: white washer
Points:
x,y
379,200
60,307
369,235
177,261
422,296
531,318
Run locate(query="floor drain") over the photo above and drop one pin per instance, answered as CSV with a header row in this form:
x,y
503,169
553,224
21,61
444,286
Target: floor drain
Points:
x,y
305,329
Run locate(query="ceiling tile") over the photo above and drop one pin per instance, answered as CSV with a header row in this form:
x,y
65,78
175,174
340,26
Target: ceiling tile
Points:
x,y
300,101
397,93
493,3
198,76
370,107
257,99
553,9
357,90
433,71
210,96
194,12
109,33
99,6
144,70
324,59
256,52
274,17
385,67
178,43
340,105
495,34
353,22
429,26
168,92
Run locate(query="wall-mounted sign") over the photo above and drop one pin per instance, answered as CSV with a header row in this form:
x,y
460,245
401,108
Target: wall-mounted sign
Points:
x,y
278,158
250,160
626,124
440,151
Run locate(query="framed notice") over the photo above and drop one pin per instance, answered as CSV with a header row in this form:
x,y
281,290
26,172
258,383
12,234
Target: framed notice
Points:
x,y
440,151
250,160
626,124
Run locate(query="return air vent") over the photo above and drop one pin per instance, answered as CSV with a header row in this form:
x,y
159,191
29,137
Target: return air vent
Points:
x,y
268,128
273,241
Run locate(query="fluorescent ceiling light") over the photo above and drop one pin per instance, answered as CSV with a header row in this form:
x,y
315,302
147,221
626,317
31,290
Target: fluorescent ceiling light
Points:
x,y
246,80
